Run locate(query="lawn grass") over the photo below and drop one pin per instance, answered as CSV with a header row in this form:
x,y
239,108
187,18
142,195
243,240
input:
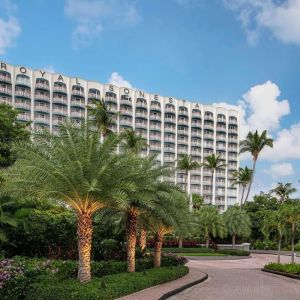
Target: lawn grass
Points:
x,y
200,254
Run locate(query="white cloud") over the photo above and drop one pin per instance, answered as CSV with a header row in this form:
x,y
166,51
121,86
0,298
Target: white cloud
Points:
x,y
9,31
286,145
49,69
93,16
281,18
118,80
280,170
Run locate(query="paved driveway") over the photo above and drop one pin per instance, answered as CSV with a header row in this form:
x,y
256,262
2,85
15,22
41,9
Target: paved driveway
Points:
x,y
242,280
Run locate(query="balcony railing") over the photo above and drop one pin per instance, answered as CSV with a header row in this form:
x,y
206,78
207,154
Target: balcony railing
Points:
x,y
182,122
42,120
22,105
182,131
209,126
60,111
42,108
43,86
126,112
5,79
141,115
170,120
94,96
111,99
23,82
196,133
155,117
196,114
126,102
126,122
182,151
141,104
59,89
5,91
23,94
169,129
77,114
155,127
209,118
57,121
170,110
155,106
77,103
42,97
77,93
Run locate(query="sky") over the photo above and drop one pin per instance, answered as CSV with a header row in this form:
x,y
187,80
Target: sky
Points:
x,y
241,53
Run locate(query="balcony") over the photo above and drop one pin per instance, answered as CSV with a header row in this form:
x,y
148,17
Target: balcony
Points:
x,y
42,120
193,143
209,117
77,103
77,93
195,190
4,100
221,128
182,150
155,117
6,91
141,125
233,131
208,136
220,174
24,94
183,122
209,126
77,114
196,114
182,141
170,120
141,104
233,121
170,110
94,96
42,97
208,145
169,129
41,85
126,102
221,120
126,112
170,139
196,181
196,134
221,146
155,106
169,149
143,115
111,99
155,127
60,111
196,153
57,122
5,78
232,157
221,138
155,147
196,124
23,105
169,159
42,108
60,100
23,82
125,122
232,140
60,89
183,131
182,112
232,149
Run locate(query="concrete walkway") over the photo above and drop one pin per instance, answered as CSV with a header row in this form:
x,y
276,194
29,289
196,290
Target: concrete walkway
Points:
x,y
241,280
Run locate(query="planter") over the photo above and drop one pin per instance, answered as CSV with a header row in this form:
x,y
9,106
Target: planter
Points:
x,y
290,275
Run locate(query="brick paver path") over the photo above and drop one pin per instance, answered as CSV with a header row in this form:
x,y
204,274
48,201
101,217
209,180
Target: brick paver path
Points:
x,y
242,280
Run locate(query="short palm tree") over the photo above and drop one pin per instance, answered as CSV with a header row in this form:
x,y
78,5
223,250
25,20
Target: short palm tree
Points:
x,y
242,177
237,222
186,164
132,142
101,117
254,144
291,213
210,223
213,163
275,221
283,191
74,168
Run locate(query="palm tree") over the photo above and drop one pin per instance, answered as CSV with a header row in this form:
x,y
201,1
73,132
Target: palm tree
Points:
x,y
132,142
6,218
242,177
213,163
275,221
283,191
74,168
210,223
198,201
186,164
291,212
255,143
101,116
237,222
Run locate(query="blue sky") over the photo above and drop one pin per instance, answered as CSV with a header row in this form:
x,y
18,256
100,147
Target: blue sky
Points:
x,y
235,52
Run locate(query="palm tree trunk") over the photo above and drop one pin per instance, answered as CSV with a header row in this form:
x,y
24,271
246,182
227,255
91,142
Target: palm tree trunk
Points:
x,y
207,241
212,187
131,240
158,240
293,244
278,252
243,192
143,240
233,240
250,184
180,242
84,239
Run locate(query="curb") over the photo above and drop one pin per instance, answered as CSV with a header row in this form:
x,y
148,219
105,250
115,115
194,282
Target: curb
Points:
x,y
293,276
182,288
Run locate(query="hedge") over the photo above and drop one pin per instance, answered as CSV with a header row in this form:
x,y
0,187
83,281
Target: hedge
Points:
x,y
287,268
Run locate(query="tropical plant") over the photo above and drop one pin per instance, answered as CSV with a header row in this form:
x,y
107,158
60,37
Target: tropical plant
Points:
x,y
198,201
74,168
275,222
283,191
254,144
10,131
213,163
242,177
291,213
210,223
132,142
6,218
237,222
100,116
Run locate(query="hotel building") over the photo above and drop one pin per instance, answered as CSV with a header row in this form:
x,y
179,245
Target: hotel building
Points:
x,y
171,126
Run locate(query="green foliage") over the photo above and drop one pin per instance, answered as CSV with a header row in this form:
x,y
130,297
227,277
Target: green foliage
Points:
x,y
264,245
237,222
234,252
287,268
10,131
283,191
132,142
108,287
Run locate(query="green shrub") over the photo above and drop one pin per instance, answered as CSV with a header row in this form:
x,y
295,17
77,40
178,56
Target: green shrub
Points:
x,y
187,250
234,252
264,245
288,268
107,287
297,246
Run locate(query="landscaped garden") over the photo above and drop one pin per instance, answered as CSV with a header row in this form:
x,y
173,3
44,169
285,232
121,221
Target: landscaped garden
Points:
x,y
84,216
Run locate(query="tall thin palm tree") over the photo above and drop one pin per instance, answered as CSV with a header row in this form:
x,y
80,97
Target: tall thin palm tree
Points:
x,y
100,116
242,177
213,163
74,168
254,144
283,191
186,164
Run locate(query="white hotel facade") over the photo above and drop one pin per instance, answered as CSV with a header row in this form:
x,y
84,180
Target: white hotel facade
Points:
x,y
171,126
